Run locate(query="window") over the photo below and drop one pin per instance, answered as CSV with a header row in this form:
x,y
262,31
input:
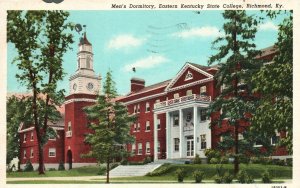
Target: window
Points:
x,y
240,136
157,101
258,143
134,127
31,153
138,127
147,107
147,126
189,92
176,120
133,149
140,149
221,138
158,146
275,139
69,126
31,136
24,154
203,141
203,90
203,114
176,144
134,109
52,152
176,95
24,137
138,108
158,124
147,147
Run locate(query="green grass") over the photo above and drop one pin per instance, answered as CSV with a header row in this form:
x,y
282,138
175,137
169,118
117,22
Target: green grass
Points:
x,y
82,171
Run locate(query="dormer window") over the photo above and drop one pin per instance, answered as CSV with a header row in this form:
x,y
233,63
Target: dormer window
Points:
x,y
188,76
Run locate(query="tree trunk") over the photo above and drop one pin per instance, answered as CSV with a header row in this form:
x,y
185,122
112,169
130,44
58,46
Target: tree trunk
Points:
x,y
41,157
107,170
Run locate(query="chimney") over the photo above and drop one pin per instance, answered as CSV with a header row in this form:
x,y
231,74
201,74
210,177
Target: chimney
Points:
x,y
137,84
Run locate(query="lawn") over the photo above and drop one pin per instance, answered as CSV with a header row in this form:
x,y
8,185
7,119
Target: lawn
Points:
x,y
82,171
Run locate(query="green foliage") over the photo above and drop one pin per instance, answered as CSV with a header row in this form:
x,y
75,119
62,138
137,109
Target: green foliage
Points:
x,y
214,161
28,167
51,169
243,177
289,162
218,179
40,38
236,57
124,162
197,159
227,178
180,174
110,122
211,153
61,166
198,175
274,110
266,177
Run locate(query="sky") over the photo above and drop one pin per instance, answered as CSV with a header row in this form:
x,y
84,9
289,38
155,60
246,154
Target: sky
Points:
x,y
156,43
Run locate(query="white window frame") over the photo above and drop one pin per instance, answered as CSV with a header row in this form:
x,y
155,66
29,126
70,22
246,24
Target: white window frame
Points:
x,y
147,127
24,154
240,136
148,109
176,145
176,96
158,123
140,149
31,153
201,114
277,135
133,148
138,129
134,109
148,148
31,136
24,137
189,92
174,117
134,128
158,146
69,126
52,152
202,141
203,90
138,108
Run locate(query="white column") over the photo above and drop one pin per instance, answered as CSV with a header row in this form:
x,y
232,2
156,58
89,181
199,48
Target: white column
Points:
x,y
168,136
155,137
181,134
195,117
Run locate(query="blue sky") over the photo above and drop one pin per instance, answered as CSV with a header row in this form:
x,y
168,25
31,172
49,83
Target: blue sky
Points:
x,y
157,43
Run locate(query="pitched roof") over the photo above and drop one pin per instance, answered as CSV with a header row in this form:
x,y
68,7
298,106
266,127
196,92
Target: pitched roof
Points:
x,y
151,87
269,50
84,40
203,67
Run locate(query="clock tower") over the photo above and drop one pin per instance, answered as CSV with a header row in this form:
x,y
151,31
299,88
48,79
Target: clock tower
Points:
x,y
85,80
84,88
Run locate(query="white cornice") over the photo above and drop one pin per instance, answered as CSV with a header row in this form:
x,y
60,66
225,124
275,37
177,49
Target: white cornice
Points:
x,y
144,98
80,100
191,84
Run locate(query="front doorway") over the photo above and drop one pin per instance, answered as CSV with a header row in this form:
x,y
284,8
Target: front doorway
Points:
x,y
190,146
69,159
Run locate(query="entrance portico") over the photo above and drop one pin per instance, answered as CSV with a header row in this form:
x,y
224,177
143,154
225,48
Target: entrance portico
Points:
x,y
187,126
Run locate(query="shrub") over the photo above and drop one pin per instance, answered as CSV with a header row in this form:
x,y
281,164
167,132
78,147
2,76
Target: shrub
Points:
x,y
244,159
279,162
51,169
289,162
28,167
255,160
224,160
147,160
124,162
197,160
61,166
227,178
266,178
243,177
211,153
198,175
180,174
113,165
214,161
218,179
102,170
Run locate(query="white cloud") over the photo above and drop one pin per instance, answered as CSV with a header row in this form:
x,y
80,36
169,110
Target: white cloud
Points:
x,y
148,62
207,31
268,26
125,41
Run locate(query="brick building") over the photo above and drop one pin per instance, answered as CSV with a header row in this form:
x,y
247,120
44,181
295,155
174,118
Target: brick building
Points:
x,y
172,116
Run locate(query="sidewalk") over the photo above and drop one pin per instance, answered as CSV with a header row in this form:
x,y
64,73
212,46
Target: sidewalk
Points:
x,y
75,178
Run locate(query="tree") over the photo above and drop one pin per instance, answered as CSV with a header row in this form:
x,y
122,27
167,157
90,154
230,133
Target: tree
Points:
x,y
41,41
236,59
274,110
110,122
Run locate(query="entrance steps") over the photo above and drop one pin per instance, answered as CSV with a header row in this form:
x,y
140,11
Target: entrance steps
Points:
x,y
133,170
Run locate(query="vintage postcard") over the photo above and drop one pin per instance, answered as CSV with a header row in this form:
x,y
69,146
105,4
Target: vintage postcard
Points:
x,y
193,93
